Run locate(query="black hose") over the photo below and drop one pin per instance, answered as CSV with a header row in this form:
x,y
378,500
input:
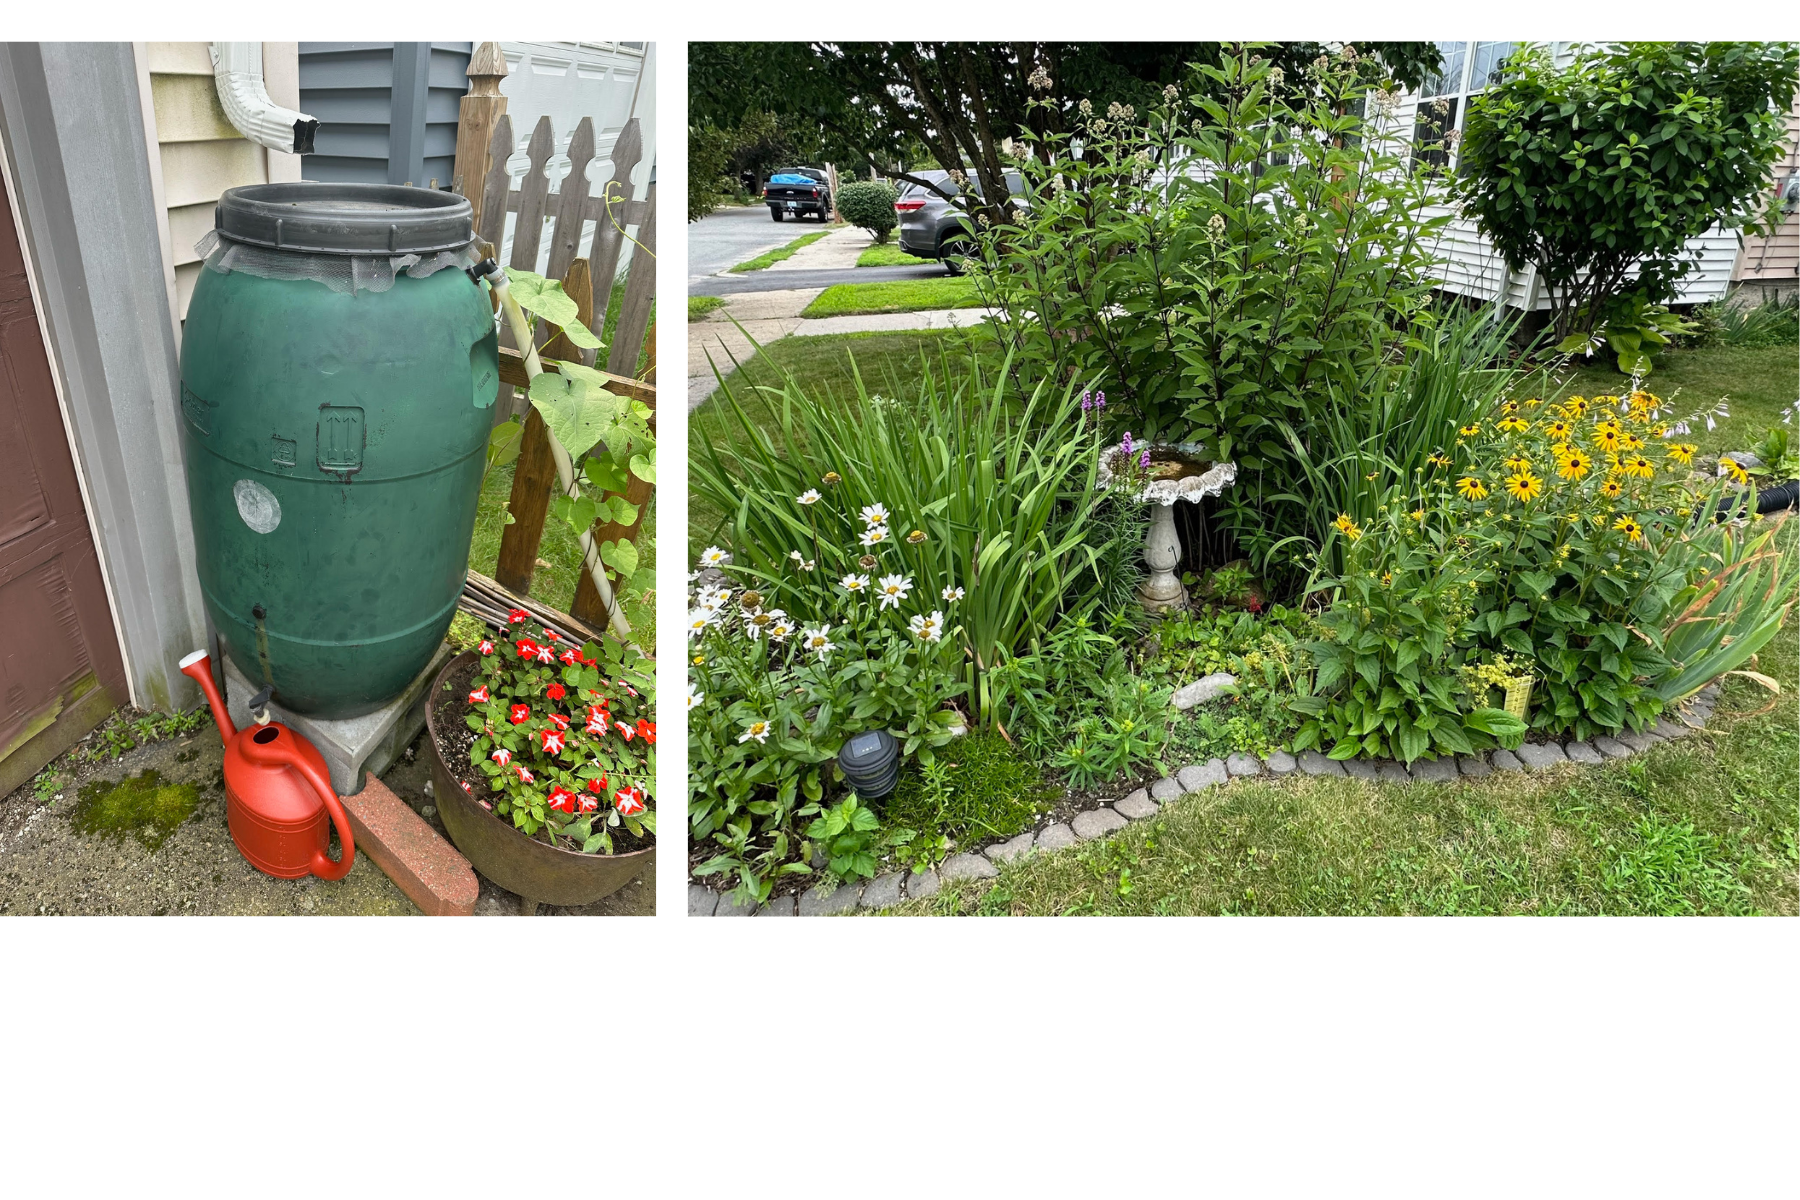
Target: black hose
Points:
x,y
1779,498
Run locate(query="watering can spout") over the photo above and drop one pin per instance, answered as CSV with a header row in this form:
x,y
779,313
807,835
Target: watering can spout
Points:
x,y
198,667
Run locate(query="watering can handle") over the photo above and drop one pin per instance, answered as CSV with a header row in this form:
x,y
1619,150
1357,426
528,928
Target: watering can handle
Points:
x,y
282,752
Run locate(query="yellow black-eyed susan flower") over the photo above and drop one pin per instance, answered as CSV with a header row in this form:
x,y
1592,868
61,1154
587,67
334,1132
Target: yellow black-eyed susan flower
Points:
x,y
1524,486
1682,452
1637,466
1438,460
1512,424
1629,528
1470,430
1612,489
1471,488
1608,439
1575,465
1559,430
1347,527
1518,464
1735,470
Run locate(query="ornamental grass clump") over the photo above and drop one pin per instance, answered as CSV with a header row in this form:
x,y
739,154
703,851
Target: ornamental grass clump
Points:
x,y
567,749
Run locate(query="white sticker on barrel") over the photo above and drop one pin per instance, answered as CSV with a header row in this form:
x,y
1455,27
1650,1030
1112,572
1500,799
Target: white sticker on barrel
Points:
x,y
257,505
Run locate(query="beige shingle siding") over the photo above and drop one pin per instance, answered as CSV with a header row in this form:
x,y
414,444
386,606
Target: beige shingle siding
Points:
x,y
201,154
1776,259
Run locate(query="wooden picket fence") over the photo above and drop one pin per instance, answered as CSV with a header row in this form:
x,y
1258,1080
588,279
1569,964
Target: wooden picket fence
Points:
x,y
484,124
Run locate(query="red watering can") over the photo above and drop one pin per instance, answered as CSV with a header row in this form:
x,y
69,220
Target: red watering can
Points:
x,y
278,798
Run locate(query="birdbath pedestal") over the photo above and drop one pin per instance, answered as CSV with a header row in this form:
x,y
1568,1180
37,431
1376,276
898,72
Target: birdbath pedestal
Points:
x,y
1176,471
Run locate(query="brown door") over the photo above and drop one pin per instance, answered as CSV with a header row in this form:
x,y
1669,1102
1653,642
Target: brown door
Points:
x,y
60,670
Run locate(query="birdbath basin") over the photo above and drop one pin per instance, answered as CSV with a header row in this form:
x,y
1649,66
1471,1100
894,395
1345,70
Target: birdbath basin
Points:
x,y
1176,471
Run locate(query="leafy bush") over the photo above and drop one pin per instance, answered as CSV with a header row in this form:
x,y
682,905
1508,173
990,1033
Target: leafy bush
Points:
x,y
1226,268
985,497
1600,173
869,204
772,695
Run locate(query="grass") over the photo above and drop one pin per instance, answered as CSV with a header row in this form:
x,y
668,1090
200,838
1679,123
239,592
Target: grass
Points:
x,y
1704,825
893,363
889,255
1761,381
898,296
770,258
559,558
699,306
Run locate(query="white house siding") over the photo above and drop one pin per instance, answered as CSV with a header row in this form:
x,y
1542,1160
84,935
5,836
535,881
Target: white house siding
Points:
x,y
610,82
1773,263
196,153
1472,267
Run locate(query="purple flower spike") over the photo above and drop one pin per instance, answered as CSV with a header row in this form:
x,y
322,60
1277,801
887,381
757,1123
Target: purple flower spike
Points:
x,y
1100,401
1145,460
1126,444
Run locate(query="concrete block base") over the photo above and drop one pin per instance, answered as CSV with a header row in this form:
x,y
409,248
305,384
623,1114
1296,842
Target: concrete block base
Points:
x,y
356,745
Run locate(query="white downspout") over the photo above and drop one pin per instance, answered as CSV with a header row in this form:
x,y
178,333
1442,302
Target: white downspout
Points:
x,y
238,73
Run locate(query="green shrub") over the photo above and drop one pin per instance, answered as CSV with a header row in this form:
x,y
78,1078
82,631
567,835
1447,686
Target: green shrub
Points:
x,y
1599,172
1237,304
869,204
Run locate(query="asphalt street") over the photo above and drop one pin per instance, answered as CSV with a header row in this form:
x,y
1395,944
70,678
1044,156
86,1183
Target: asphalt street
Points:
x,y
734,235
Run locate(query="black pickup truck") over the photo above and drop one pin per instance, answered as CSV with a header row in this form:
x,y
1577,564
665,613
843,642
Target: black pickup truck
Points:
x,y
794,191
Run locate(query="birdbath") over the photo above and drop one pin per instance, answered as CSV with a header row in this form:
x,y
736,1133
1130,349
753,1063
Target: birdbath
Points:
x,y
1175,471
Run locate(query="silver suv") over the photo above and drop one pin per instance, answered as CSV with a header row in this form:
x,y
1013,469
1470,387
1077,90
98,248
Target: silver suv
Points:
x,y
932,227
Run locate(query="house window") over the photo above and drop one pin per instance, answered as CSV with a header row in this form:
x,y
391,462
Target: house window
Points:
x,y
1469,68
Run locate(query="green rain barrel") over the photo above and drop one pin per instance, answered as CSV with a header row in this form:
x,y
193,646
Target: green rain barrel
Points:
x,y
339,369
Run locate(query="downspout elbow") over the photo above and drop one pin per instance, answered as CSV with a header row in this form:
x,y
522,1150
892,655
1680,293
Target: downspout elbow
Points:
x,y
238,74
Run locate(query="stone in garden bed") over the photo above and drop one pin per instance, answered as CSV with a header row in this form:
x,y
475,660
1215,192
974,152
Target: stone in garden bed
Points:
x,y
1361,768
1018,847
702,900
1314,763
1282,763
1166,789
1137,806
1096,823
1612,747
1473,765
1583,753
1211,687
1638,741
1541,756
1506,760
731,906
778,906
883,891
1056,837
1435,770
968,866
1389,771
923,885
1670,730
1243,765
819,903
1201,776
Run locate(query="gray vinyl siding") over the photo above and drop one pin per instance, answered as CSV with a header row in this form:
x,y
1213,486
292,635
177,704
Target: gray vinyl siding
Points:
x,y
387,111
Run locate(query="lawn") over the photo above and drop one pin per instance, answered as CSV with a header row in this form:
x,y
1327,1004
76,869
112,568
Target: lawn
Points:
x,y
771,257
889,255
898,296
699,306
1706,825
888,362
559,558
1760,381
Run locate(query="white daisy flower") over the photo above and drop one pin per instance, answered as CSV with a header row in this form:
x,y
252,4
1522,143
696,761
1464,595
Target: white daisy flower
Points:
x,y
808,565
818,641
714,557
893,590
757,624
780,628
928,629
694,697
712,598
809,496
875,514
756,729
854,583
875,535
699,620
953,594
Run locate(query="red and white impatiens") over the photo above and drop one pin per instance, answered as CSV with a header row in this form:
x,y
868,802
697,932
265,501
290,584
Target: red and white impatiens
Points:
x,y
555,691
479,695
553,740
629,802
561,800
486,647
517,616
501,755
520,714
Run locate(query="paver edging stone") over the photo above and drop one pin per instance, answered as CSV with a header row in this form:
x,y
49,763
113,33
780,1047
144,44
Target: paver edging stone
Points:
x,y
1102,820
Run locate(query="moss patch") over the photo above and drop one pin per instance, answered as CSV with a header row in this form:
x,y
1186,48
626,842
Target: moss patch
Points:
x,y
980,788
142,806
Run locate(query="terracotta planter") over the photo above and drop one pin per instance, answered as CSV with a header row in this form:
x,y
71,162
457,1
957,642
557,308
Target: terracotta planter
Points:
x,y
537,871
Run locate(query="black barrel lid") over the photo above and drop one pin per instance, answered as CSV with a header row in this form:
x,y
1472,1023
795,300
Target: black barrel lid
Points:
x,y
345,218
868,752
